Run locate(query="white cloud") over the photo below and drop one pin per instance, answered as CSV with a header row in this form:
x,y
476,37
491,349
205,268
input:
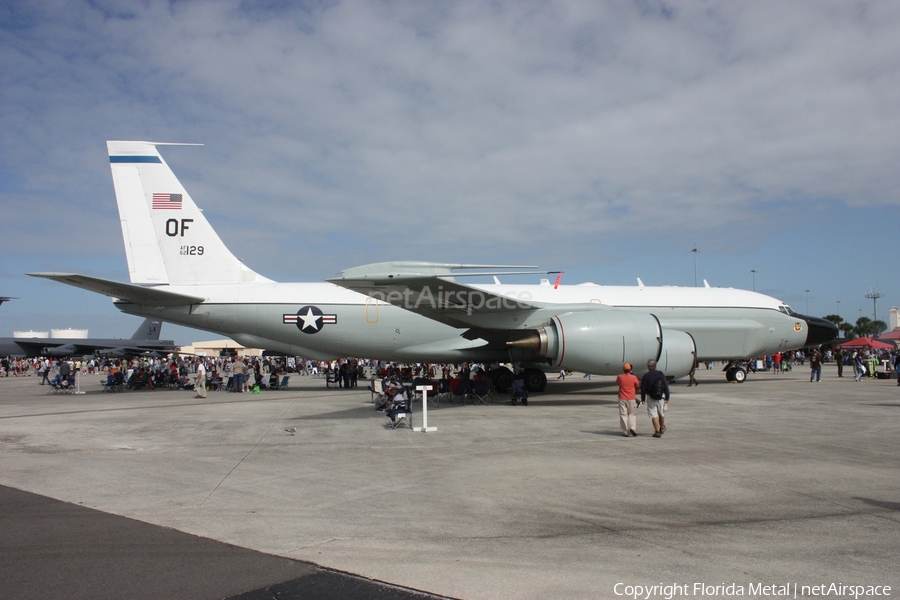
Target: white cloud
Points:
x,y
453,131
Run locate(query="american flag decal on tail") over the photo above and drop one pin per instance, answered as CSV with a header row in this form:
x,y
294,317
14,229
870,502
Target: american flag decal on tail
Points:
x,y
166,201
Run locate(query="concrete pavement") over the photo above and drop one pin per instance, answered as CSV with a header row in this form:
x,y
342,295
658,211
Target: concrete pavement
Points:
x,y
776,481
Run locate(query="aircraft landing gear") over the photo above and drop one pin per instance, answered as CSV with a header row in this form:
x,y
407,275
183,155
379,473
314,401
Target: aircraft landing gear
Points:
x,y
535,380
736,371
502,379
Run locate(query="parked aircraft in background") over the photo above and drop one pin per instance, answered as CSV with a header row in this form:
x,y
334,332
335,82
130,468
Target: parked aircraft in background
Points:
x,y
144,341
181,272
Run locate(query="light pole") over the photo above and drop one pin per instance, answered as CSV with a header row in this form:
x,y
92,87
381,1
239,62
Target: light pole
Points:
x,y
839,308
694,251
754,271
807,302
874,294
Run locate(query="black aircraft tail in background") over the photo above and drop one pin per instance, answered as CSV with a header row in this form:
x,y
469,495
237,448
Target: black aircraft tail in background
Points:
x,y
144,341
149,330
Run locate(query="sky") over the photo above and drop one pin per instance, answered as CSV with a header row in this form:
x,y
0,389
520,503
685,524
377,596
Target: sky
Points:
x,y
606,139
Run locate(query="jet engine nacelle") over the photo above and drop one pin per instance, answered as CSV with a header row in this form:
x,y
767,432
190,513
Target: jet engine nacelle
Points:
x,y
601,342
113,352
66,350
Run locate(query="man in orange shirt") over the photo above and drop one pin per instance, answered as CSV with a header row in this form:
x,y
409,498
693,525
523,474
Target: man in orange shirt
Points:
x,y
628,388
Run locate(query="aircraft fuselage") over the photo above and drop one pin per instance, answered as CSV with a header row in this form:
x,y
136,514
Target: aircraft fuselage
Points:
x,y
321,320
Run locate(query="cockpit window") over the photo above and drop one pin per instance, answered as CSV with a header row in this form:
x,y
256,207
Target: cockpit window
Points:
x,y
786,309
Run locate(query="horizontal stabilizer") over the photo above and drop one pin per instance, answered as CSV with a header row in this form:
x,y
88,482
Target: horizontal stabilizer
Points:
x,y
128,292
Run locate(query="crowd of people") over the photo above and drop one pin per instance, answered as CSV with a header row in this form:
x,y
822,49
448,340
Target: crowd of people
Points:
x,y
243,374
862,361
398,381
231,373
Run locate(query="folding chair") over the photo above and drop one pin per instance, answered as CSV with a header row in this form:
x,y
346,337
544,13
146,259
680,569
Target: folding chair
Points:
x,y
481,391
462,390
401,412
284,383
454,389
114,382
443,391
118,384
376,389
61,385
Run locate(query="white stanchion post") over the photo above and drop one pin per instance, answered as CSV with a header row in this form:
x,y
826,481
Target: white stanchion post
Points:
x,y
78,383
424,389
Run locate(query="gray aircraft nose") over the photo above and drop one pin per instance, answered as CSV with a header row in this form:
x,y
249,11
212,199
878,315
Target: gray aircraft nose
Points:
x,y
820,330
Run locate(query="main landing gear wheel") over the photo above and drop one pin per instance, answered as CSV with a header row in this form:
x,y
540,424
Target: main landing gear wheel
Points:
x,y
535,380
502,378
736,374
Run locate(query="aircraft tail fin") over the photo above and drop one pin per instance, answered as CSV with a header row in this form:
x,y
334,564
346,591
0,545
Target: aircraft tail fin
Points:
x,y
149,330
167,238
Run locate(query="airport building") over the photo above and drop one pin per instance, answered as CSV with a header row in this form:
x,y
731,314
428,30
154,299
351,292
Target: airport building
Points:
x,y
219,348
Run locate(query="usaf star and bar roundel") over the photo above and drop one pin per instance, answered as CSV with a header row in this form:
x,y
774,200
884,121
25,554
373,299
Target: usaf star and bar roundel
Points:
x,y
310,319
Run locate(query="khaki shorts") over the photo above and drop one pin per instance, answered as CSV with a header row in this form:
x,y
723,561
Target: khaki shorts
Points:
x,y
655,408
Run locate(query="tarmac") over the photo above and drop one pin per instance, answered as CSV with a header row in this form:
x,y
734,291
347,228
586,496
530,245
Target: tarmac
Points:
x,y
763,489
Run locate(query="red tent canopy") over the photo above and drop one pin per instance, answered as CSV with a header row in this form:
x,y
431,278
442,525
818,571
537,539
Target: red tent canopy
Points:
x,y
866,342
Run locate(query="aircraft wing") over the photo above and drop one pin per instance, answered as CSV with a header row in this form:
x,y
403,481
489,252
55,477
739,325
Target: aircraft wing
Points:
x,y
128,292
164,349
21,347
431,290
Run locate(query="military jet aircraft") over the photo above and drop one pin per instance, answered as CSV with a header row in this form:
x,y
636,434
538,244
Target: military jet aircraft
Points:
x,y
144,341
182,272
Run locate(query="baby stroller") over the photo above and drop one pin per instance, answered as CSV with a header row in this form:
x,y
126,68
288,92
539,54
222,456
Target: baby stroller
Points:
x,y
518,391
